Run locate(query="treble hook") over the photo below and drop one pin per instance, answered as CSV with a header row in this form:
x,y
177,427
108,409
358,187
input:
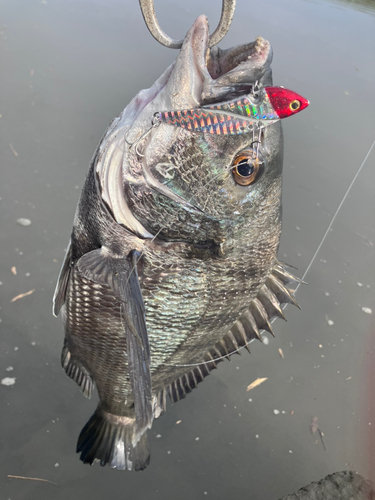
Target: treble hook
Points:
x,y
148,12
154,123
258,142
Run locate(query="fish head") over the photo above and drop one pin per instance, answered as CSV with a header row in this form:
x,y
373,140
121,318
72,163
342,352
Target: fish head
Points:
x,y
196,187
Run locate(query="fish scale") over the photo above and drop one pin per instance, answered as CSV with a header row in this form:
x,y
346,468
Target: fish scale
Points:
x,y
212,325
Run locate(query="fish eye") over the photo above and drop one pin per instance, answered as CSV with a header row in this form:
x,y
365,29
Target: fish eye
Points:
x,y
294,105
246,168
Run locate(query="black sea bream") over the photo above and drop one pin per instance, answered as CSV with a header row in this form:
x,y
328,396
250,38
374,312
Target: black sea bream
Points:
x,y
173,255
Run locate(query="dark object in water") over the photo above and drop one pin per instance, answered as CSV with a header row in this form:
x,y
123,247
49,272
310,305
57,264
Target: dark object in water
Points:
x,y
346,485
172,264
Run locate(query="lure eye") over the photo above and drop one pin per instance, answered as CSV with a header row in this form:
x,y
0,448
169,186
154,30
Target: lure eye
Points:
x,y
246,168
295,105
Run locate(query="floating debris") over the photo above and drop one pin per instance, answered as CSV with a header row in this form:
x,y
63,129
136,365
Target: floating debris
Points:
x,y
9,369
13,150
30,478
21,295
178,422
14,270
276,412
281,353
367,310
329,321
256,382
23,222
321,439
266,340
314,427
8,381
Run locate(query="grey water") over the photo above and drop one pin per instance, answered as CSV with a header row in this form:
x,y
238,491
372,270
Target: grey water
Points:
x,y
67,67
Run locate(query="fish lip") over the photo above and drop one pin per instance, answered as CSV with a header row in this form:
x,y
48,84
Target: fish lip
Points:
x,y
184,87
234,71
200,41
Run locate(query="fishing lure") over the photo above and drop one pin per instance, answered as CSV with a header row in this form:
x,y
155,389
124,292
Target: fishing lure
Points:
x,y
260,108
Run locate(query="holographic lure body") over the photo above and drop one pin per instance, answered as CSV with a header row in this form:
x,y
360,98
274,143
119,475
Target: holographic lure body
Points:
x,y
248,113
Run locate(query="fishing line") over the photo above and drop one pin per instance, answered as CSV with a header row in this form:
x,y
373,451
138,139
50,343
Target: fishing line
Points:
x,y
312,259
336,213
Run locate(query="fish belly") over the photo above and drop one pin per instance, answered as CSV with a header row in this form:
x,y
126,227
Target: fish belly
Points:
x,y
96,340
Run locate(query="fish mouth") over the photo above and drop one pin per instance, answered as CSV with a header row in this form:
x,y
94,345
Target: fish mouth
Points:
x,y
203,75
234,71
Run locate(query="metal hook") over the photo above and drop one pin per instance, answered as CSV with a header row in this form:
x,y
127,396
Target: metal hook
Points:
x,y
148,12
255,153
258,142
155,123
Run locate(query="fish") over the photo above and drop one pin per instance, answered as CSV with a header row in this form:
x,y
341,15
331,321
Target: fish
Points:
x,y
172,262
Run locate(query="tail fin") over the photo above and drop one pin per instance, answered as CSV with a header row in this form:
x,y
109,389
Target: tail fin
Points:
x,y
109,439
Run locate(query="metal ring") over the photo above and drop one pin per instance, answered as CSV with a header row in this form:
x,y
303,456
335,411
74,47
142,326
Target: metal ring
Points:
x,y
148,12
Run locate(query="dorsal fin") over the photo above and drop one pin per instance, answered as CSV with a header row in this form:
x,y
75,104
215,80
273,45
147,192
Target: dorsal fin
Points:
x,y
262,310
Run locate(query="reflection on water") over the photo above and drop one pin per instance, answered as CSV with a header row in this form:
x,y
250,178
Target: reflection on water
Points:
x,y
363,5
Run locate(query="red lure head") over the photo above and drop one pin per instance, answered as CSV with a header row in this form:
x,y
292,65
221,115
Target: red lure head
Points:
x,y
286,102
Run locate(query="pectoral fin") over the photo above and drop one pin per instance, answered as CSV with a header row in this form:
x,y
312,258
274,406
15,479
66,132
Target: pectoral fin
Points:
x,y
121,275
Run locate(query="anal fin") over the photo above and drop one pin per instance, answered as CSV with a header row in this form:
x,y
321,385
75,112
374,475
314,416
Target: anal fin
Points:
x,y
77,372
